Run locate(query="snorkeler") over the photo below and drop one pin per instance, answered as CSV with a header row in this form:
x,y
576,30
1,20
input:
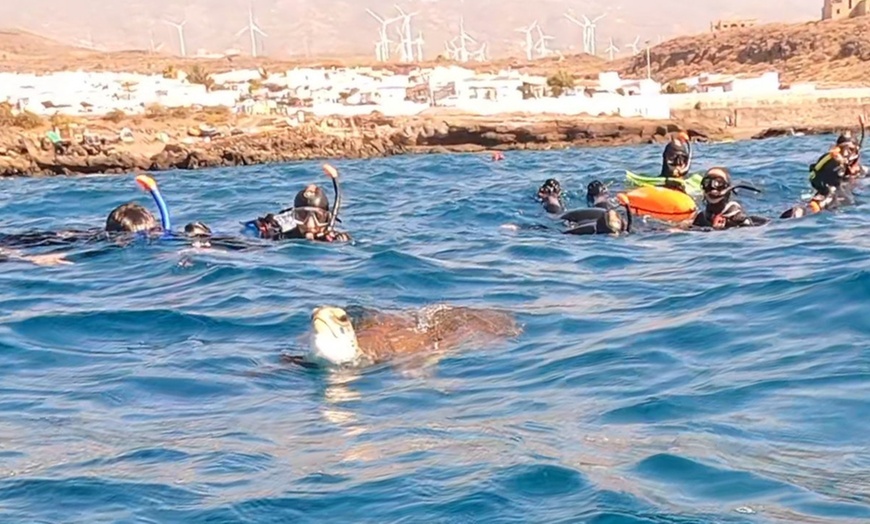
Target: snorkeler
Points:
x,y
127,218
309,218
830,174
720,211
854,169
601,217
597,195
550,196
676,161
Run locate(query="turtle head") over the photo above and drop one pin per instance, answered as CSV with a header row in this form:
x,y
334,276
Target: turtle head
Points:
x,y
333,340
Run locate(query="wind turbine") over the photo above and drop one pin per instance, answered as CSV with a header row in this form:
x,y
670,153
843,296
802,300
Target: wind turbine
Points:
x,y
180,28
382,48
542,43
591,37
463,39
633,45
611,50
253,29
529,45
154,48
480,54
407,44
585,25
452,49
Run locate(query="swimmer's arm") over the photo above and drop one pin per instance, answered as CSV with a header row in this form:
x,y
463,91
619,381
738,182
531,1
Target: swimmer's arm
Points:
x,y
48,259
684,226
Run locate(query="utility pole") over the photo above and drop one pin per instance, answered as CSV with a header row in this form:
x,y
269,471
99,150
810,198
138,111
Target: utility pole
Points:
x,y
648,68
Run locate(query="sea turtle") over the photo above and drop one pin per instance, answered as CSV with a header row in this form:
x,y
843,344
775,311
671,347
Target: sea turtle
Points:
x,y
337,339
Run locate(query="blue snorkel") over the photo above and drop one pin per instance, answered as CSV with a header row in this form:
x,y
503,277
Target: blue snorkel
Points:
x,y
148,184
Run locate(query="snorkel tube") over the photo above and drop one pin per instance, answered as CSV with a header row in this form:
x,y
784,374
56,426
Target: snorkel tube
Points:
x,y
332,173
149,184
622,198
863,130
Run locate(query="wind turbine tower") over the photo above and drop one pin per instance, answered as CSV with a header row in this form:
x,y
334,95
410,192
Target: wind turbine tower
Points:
x,y
612,50
180,28
253,29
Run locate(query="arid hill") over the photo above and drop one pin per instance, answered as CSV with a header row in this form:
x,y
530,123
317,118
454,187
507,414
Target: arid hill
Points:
x,y
833,53
828,52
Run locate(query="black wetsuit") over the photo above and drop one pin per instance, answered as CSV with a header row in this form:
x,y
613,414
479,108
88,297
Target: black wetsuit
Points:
x,y
281,226
827,174
726,215
595,221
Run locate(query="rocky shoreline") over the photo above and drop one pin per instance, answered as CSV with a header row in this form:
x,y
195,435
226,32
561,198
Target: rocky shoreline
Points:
x,y
360,137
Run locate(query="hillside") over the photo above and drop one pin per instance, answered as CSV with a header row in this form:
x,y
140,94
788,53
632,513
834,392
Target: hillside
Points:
x,y
832,52
305,28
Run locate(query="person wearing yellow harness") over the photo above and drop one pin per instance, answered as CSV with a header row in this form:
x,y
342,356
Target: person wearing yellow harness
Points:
x,y
830,175
720,212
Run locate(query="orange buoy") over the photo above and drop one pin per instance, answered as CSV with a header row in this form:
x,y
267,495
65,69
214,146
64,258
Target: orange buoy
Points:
x,y
659,202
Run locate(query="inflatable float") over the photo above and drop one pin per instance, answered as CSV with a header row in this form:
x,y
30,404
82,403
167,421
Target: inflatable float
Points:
x,y
659,202
693,182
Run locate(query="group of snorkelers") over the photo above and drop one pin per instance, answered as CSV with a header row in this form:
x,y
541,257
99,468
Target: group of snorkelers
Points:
x,y
310,218
831,177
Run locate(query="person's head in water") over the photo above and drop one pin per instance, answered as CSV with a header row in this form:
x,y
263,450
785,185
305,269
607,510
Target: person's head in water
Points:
x,y
550,187
311,212
716,186
845,137
847,148
596,194
675,158
131,218
198,233
550,194
197,229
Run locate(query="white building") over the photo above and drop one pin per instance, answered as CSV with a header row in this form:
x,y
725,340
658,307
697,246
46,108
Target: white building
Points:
x,y
742,84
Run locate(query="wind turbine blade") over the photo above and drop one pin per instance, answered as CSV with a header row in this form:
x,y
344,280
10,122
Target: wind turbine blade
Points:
x,y
242,31
571,18
258,30
375,16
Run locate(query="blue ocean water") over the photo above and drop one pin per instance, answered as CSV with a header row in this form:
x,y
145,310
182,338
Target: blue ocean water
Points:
x,y
662,377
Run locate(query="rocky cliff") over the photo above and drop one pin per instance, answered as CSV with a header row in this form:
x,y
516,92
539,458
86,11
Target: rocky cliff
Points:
x,y
365,138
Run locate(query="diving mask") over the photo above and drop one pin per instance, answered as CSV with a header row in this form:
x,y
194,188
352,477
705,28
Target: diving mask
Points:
x,y
303,214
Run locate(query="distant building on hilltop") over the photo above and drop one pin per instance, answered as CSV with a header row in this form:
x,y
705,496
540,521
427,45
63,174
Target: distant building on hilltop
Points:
x,y
724,25
841,9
